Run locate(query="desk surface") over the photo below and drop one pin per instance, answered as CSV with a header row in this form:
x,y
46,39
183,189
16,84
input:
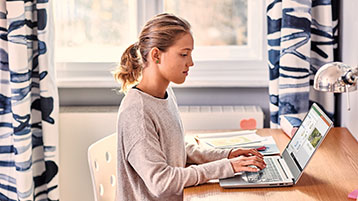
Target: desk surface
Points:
x,y
331,174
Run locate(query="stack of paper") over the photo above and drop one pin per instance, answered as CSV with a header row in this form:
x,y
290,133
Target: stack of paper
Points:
x,y
239,139
233,141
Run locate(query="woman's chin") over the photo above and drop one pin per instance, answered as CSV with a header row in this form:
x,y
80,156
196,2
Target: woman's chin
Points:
x,y
181,81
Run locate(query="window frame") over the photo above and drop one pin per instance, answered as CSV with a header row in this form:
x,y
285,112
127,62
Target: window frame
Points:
x,y
243,66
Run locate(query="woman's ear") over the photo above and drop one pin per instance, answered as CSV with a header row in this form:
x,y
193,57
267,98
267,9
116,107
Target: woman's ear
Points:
x,y
155,55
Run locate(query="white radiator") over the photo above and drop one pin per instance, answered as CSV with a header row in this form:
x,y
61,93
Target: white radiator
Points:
x,y
221,117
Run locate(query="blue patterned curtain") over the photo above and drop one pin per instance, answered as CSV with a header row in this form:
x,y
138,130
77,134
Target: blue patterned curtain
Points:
x,y
28,103
302,36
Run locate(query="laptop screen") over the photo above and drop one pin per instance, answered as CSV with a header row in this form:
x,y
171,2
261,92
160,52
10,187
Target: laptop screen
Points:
x,y
307,139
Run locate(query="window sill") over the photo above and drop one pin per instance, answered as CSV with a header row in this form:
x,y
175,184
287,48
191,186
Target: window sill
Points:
x,y
242,78
205,73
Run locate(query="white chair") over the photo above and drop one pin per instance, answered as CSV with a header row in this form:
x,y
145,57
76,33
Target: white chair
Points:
x,y
102,159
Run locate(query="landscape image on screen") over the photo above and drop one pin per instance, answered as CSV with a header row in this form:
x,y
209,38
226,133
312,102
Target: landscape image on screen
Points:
x,y
314,137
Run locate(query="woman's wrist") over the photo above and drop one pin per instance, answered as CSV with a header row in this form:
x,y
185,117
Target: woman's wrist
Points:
x,y
229,155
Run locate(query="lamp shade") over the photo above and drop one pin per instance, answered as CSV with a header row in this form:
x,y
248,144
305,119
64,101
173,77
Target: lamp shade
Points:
x,y
336,77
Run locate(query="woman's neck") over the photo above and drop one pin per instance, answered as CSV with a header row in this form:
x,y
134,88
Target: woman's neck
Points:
x,y
152,84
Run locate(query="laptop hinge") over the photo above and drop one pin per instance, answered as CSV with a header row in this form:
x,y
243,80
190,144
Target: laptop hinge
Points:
x,y
285,168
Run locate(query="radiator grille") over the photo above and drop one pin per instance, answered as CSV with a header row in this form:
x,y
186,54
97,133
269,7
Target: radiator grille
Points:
x,y
221,117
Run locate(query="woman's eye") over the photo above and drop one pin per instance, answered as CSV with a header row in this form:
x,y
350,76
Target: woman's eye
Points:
x,y
184,55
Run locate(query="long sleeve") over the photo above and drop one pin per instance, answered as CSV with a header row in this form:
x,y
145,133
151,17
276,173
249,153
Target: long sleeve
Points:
x,y
198,154
162,179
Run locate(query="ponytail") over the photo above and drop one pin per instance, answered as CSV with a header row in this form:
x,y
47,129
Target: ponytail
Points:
x,y
130,68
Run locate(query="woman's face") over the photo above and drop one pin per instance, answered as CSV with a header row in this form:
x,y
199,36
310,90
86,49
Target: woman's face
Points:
x,y
175,62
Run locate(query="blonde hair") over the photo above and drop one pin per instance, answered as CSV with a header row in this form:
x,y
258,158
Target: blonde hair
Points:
x,y
161,32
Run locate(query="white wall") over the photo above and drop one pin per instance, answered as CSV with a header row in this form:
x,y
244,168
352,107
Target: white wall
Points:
x,y
349,55
78,130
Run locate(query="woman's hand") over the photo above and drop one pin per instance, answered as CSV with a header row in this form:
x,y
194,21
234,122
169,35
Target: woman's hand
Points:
x,y
244,152
246,160
250,164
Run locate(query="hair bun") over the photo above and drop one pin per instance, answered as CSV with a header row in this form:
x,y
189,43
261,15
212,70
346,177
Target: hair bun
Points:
x,y
133,50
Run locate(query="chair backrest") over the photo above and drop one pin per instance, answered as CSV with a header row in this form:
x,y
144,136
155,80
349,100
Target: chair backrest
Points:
x,y
102,159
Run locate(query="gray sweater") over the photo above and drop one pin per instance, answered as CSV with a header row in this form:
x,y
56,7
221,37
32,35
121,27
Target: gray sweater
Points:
x,y
152,153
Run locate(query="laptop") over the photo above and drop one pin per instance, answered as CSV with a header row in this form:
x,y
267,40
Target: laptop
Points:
x,y
286,170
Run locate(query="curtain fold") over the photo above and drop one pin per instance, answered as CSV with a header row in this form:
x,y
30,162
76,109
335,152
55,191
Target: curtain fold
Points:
x,y
28,103
302,36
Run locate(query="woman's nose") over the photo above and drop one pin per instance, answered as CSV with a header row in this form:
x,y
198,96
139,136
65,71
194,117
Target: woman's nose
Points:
x,y
191,62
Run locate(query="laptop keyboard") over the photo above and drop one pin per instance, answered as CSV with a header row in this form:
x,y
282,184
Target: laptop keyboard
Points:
x,y
268,174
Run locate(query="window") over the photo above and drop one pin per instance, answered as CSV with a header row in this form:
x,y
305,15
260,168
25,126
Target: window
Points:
x,y
92,34
227,27
85,26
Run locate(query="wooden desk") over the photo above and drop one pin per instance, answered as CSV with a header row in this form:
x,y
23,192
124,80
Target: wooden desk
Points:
x,y
331,174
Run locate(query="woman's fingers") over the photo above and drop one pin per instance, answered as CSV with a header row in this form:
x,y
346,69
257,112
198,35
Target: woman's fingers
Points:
x,y
255,153
254,160
244,152
251,152
250,169
245,163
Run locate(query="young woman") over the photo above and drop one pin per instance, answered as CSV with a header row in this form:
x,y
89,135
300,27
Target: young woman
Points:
x,y
152,154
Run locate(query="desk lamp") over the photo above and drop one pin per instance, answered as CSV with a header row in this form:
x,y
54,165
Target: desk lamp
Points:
x,y
336,77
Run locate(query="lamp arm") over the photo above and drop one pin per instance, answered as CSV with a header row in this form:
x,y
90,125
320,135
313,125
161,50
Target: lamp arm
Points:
x,y
348,104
